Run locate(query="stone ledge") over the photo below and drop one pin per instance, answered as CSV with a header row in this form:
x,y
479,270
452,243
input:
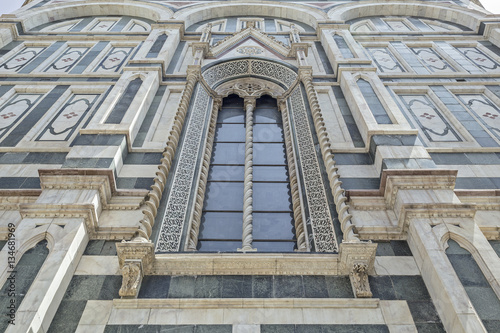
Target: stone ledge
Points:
x,y
217,303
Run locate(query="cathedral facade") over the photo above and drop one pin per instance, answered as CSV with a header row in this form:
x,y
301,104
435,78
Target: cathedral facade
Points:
x,y
140,187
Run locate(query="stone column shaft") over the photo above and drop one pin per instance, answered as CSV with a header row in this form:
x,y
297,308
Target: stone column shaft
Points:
x,y
300,234
200,194
247,236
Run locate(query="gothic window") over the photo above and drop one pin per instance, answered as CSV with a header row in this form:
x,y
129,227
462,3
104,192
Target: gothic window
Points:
x,y
222,219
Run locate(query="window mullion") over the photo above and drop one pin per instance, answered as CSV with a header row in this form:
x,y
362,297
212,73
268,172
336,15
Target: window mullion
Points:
x,y
247,237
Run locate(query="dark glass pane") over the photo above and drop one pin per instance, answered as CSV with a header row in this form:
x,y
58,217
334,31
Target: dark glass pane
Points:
x,y
267,133
268,226
219,225
270,173
218,246
227,173
266,101
271,197
230,132
224,196
234,101
228,153
274,246
269,153
227,115
267,115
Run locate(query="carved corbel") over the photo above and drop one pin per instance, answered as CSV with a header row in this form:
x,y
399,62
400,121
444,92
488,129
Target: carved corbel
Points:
x,y
356,260
132,273
136,260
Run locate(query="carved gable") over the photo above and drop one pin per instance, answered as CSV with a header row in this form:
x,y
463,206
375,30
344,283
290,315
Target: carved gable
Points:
x,y
258,38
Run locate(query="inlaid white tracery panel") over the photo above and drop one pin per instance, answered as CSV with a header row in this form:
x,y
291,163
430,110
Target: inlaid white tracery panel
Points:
x,y
66,61
431,121
479,58
20,59
68,118
484,110
14,109
385,60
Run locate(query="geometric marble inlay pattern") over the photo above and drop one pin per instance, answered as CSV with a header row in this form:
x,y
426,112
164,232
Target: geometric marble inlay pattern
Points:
x,y
432,123
65,122
67,60
385,60
432,60
113,60
485,111
14,109
104,25
21,59
481,60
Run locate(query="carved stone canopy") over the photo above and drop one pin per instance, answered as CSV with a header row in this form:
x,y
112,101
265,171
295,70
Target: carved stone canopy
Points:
x,y
250,87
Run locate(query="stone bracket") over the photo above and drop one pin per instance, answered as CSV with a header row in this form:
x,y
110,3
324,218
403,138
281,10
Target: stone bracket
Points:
x,y
356,260
136,260
132,273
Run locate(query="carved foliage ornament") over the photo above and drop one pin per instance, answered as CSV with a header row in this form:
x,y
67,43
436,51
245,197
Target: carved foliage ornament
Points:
x,y
246,67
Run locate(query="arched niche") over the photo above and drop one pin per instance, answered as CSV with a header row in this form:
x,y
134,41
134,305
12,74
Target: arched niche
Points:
x,y
443,12
282,10
59,12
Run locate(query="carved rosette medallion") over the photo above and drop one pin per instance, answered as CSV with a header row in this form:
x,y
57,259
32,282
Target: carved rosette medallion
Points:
x,y
249,50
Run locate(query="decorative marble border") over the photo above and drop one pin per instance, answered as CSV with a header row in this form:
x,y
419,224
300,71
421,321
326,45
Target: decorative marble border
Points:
x,y
320,218
169,238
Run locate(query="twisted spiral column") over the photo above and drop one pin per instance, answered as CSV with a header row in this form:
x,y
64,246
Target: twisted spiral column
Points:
x,y
200,194
156,192
247,236
294,185
332,171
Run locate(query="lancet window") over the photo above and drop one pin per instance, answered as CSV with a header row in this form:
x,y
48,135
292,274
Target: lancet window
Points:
x,y
248,202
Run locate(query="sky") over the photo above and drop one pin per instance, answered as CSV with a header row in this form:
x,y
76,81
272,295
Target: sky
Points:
x,y
8,6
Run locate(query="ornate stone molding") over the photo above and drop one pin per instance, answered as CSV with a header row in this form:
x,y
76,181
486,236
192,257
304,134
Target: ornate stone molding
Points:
x,y
250,87
156,192
178,202
233,69
328,158
357,259
323,233
300,232
200,194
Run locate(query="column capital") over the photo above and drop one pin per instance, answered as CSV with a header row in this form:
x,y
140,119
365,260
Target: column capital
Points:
x,y
250,102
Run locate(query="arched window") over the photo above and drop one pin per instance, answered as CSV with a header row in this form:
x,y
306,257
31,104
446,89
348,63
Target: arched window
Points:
x,y
222,219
